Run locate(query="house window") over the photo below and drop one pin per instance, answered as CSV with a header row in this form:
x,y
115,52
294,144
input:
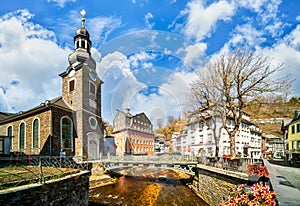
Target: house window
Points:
x,y
10,134
35,134
66,133
293,129
71,85
293,144
92,88
298,128
209,138
22,136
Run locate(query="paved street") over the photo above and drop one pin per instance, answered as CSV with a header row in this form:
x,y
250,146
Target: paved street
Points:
x,y
285,181
292,174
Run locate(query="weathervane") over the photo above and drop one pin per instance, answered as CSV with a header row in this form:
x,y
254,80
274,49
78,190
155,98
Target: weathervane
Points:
x,y
82,18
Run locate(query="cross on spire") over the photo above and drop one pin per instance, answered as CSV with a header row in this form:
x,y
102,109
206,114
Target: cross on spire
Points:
x,y
82,18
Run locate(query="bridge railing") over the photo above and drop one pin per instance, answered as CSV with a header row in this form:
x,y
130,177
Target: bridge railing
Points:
x,y
240,164
149,159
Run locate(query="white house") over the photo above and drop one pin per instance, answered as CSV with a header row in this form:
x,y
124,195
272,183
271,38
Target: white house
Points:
x,y
203,127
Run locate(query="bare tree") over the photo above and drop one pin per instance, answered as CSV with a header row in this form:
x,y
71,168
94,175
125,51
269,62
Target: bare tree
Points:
x,y
231,81
159,122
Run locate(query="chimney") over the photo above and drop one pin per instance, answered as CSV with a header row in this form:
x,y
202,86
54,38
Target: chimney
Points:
x,y
127,111
297,114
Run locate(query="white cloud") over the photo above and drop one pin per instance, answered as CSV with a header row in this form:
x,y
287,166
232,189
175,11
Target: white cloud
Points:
x,y
141,60
119,83
254,5
61,3
121,89
149,16
246,35
202,20
194,54
101,27
30,61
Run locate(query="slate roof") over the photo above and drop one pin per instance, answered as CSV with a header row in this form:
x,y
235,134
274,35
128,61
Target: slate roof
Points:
x,y
4,115
56,102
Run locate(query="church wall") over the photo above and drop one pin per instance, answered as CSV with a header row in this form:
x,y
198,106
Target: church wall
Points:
x,y
44,120
73,98
57,114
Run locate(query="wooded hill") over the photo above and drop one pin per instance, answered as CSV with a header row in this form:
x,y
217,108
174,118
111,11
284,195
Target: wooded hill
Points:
x,y
268,115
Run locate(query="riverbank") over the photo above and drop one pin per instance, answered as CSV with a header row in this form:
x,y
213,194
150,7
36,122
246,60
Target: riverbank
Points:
x,y
102,180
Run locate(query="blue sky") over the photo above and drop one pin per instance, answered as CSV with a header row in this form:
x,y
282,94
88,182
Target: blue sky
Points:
x,y
147,52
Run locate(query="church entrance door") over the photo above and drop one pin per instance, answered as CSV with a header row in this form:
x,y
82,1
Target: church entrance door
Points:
x,y
93,146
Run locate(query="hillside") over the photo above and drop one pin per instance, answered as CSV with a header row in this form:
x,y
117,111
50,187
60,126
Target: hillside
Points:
x,y
268,116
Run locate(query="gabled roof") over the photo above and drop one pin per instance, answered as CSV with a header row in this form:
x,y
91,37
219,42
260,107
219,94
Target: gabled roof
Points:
x,y
296,117
5,115
56,102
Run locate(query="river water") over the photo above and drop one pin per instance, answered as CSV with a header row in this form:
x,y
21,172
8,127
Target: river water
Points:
x,y
146,187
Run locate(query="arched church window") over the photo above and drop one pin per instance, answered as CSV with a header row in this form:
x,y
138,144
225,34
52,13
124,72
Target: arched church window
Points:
x,y
35,134
22,136
10,134
66,133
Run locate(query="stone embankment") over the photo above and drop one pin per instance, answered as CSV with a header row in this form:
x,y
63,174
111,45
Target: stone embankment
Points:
x,y
70,190
214,184
101,180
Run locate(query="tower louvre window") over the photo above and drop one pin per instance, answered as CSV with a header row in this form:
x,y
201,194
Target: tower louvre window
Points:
x,y
83,44
92,88
71,85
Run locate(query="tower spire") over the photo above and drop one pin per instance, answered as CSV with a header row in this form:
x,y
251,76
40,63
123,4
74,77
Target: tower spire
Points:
x,y
82,18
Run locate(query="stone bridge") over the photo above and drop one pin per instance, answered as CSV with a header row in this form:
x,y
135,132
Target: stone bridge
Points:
x,y
180,163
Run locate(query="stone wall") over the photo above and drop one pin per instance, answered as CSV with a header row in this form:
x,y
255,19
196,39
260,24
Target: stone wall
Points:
x,y
44,124
213,185
70,190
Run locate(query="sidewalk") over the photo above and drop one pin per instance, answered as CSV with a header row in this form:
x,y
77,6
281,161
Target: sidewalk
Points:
x,y
285,181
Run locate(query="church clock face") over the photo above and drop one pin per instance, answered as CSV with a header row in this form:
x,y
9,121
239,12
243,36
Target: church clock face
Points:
x,y
93,75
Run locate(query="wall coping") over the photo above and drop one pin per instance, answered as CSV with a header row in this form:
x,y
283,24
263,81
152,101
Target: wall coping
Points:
x,y
234,174
29,186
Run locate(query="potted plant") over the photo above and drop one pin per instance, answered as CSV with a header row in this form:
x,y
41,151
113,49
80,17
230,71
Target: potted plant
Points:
x,y
257,173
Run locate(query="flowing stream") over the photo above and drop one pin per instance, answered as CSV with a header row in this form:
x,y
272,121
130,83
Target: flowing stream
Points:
x,y
146,186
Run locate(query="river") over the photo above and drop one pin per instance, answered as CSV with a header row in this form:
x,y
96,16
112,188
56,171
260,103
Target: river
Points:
x,y
146,186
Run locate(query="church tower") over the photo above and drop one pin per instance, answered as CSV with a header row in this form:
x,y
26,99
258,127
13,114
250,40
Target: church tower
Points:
x,y
81,90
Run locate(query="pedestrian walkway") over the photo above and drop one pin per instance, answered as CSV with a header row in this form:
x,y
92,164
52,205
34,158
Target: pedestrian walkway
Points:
x,y
285,181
